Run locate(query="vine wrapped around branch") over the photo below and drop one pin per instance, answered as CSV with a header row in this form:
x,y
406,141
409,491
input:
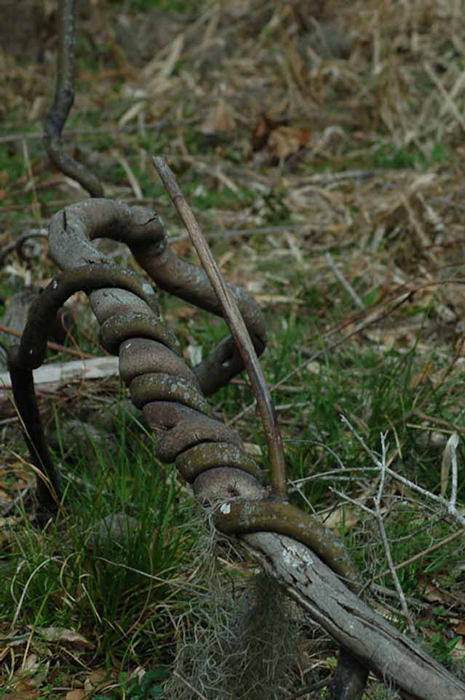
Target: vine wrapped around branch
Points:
x,y
297,551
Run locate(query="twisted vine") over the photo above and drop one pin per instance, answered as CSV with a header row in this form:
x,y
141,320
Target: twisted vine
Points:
x,y
169,393
207,453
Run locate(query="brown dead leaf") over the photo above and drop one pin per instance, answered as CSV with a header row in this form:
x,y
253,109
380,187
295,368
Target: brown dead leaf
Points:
x,y
286,140
218,118
262,131
97,676
344,515
458,652
61,634
430,592
75,694
460,629
282,140
97,679
24,689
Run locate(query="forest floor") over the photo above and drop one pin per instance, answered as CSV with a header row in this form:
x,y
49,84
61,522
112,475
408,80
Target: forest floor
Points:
x,y
320,145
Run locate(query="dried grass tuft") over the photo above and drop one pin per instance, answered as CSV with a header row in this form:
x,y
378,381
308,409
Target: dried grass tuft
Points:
x,y
243,645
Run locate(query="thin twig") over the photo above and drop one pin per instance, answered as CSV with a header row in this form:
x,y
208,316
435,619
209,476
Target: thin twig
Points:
x,y
327,178
445,503
63,102
52,346
384,539
347,286
18,243
353,501
8,507
439,421
314,356
451,447
420,555
237,327
188,685
307,689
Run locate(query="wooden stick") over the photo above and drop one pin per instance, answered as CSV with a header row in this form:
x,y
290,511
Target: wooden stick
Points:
x,y
237,327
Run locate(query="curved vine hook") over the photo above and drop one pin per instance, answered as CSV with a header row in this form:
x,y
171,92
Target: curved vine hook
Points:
x,y
63,102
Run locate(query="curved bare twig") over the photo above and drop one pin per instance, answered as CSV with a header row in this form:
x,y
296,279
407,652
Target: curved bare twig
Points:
x,y
238,330
63,102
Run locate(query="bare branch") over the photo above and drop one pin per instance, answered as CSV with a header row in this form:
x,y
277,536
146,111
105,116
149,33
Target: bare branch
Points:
x,y
384,539
63,102
236,326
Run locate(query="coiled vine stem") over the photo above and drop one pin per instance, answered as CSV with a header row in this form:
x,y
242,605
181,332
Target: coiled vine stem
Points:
x,y
169,393
208,454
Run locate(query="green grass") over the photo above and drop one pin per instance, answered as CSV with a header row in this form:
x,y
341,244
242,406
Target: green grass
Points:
x,y
12,163
391,157
145,688
114,591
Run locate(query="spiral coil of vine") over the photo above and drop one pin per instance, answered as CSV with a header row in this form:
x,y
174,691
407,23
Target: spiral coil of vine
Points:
x,y
169,393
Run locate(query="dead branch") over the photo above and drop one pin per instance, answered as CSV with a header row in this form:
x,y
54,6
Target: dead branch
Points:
x,y
63,102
